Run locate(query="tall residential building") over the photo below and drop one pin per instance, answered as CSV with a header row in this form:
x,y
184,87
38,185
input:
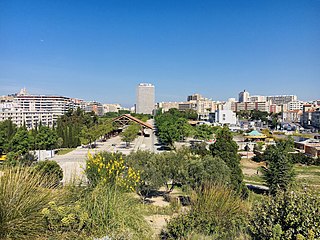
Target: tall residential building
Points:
x,y
295,105
23,108
258,98
244,96
145,98
282,99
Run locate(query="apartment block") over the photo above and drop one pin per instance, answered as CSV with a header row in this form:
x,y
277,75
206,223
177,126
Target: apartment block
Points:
x,y
145,98
282,99
33,109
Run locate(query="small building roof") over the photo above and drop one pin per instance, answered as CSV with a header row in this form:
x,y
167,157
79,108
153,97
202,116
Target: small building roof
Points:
x,y
255,134
125,118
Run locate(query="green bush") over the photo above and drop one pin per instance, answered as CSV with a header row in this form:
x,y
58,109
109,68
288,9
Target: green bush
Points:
x,y
215,211
286,216
21,200
115,214
111,169
51,170
68,218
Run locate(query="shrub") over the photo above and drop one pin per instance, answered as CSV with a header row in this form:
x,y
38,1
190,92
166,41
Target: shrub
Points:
x,y
68,218
21,202
286,216
111,168
115,214
215,211
51,170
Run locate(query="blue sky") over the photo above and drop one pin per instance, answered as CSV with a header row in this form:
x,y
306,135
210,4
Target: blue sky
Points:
x,y
100,50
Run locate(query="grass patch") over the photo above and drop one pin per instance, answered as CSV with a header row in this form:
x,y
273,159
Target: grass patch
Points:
x,y
64,151
22,197
254,178
149,210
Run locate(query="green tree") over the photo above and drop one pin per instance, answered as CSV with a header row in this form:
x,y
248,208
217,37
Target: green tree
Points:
x,y
46,138
130,133
227,149
207,169
21,142
150,171
88,135
204,132
7,131
279,175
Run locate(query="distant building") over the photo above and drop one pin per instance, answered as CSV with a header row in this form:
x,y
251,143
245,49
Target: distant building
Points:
x,y
224,117
165,106
249,106
23,108
194,97
258,98
244,96
145,98
111,108
93,106
292,116
315,119
282,99
309,117
295,105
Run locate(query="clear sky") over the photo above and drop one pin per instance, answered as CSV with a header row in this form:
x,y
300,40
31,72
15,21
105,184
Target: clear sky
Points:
x,y
101,50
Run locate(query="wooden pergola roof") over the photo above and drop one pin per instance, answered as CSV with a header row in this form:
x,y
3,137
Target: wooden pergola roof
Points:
x,y
125,119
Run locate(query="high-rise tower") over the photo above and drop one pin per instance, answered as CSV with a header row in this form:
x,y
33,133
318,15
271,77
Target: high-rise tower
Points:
x,y
244,96
145,98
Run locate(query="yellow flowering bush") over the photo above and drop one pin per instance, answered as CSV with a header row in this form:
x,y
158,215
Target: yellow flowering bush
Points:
x,y
111,168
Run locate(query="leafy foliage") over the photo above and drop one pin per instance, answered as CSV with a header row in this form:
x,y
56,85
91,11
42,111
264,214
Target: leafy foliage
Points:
x,y
149,167
61,219
227,149
69,126
204,132
46,138
172,126
7,131
50,169
110,168
279,175
286,216
130,133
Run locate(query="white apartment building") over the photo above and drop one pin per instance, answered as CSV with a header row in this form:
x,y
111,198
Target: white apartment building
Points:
x,y
258,98
33,109
282,99
145,98
295,105
225,117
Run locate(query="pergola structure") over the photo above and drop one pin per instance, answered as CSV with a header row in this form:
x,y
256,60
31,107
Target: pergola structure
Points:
x,y
126,119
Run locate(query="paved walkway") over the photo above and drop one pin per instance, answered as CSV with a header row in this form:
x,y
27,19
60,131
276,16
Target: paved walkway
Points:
x,y
73,163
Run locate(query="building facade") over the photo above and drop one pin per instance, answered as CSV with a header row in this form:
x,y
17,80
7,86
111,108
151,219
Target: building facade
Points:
x,y
145,98
225,117
282,99
30,110
244,96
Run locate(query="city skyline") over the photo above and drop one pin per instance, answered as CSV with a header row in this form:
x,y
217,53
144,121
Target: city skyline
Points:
x,y
102,50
